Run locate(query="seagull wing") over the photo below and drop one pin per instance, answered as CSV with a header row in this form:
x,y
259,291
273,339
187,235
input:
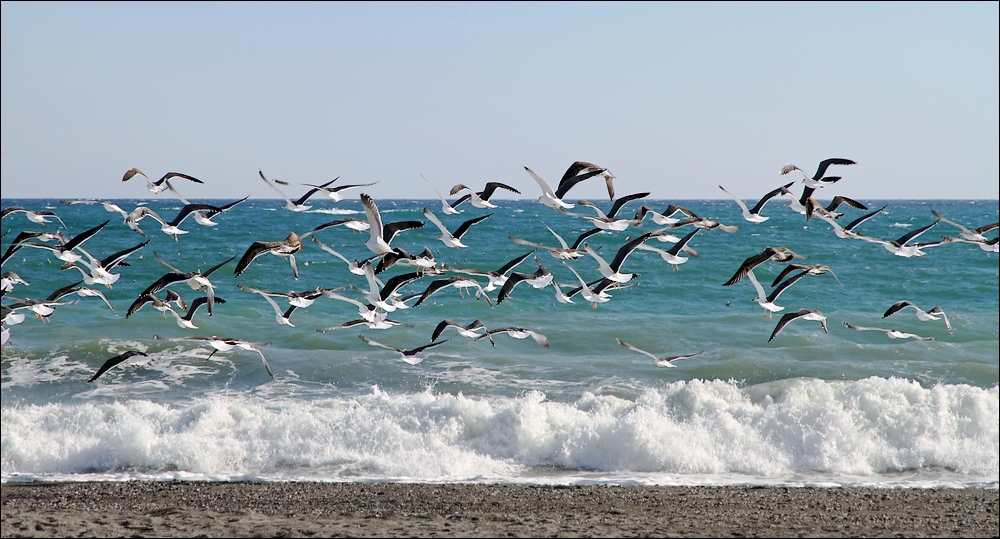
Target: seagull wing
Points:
x,y
749,264
115,361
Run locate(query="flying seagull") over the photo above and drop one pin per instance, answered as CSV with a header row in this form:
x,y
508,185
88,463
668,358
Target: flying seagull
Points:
x,y
805,314
453,239
518,333
817,179
332,192
160,185
581,170
410,355
300,204
777,254
932,315
553,198
892,333
661,361
753,215
120,358
480,199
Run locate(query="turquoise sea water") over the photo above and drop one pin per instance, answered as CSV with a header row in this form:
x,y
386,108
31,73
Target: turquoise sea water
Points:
x,y
842,408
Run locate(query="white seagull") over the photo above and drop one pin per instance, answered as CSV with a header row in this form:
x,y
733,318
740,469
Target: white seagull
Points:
x,y
805,314
660,361
613,270
300,204
446,208
160,185
753,215
480,199
453,239
672,255
926,316
410,355
333,193
891,333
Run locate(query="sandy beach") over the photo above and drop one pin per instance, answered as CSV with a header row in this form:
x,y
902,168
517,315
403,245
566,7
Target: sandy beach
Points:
x,y
173,509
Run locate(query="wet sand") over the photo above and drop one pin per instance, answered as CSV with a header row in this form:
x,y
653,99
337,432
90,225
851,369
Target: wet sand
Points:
x,y
173,509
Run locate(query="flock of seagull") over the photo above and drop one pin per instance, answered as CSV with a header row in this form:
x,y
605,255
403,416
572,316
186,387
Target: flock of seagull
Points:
x,y
381,297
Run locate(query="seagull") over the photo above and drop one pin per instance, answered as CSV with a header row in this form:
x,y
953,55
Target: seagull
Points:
x,y
469,331
202,215
499,277
225,345
462,283
81,291
354,267
816,269
299,299
380,296
39,217
379,322
672,255
197,280
970,235
171,228
300,204
285,248
560,296
409,356
805,314
990,246
453,239
926,316
281,316
847,232
777,254
553,199
9,279
539,279
25,235
424,261
692,219
612,270
446,208
590,295
100,270
185,321
667,217
160,185
376,243
899,246
610,221
581,170
767,301
120,358
660,361
815,207
64,251
817,180
482,198
42,309
368,312
892,333
332,192
518,333
565,252
753,215
158,304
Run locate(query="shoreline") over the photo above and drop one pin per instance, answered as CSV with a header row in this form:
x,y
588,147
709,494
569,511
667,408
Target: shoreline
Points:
x,y
181,508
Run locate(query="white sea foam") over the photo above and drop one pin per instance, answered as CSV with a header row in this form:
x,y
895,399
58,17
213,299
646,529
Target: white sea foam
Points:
x,y
334,211
798,431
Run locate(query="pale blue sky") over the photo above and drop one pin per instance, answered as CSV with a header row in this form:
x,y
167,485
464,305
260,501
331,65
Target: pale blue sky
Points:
x,y
673,98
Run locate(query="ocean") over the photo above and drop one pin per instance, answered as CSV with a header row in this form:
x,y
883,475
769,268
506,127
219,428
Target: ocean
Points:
x,y
844,408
